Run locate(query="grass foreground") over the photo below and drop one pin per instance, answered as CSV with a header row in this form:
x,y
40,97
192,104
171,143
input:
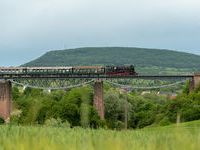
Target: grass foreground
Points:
x,y
52,138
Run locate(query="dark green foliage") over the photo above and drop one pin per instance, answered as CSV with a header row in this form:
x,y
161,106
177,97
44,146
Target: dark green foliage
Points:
x,y
119,125
147,61
70,112
75,108
2,121
145,115
197,89
15,93
37,106
27,91
52,122
114,109
164,122
94,119
186,90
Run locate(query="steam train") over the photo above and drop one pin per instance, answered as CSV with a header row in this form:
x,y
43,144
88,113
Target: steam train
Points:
x,y
91,70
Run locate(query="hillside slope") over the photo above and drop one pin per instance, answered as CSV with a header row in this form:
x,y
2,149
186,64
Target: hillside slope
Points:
x,y
145,60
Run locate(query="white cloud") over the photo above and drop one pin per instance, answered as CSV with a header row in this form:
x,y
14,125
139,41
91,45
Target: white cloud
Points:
x,y
38,25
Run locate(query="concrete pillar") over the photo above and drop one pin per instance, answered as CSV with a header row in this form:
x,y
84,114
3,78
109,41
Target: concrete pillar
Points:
x,y
196,79
98,98
5,99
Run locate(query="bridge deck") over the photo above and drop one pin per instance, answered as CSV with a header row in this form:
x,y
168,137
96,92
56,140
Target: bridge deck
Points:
x,y
95,76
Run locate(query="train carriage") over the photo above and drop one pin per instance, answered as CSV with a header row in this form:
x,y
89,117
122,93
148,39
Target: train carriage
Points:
x,y
12,70
89,70
81,70
36,70
49,70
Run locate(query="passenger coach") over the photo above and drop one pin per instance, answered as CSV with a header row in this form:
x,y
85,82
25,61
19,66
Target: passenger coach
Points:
x,y
89,70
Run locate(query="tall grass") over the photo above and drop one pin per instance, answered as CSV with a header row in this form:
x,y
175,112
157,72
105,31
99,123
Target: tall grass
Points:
x,y
50,138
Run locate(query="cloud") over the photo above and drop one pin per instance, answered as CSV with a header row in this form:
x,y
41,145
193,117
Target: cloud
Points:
x,y
29,28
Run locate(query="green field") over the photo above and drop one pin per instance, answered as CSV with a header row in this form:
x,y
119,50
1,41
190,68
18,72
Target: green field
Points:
x,y
186,137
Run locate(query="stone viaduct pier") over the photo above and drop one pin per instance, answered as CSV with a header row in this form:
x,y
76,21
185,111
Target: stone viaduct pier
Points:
x,y
6,94
196,80
98,98
5,99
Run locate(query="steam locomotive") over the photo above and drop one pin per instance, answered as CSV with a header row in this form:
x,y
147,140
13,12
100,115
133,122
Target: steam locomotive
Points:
x,y
91,70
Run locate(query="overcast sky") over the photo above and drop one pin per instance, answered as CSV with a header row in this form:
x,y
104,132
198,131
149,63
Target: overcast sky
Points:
x,y
29,28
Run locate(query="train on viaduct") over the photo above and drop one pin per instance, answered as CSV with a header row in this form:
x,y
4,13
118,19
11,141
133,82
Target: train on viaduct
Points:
x,y
98,73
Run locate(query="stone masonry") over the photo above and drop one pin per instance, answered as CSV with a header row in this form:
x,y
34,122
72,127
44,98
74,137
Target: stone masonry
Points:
x,y
196,79
5,99
98,98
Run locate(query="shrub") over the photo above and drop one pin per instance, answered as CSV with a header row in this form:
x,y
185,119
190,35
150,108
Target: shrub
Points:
x,y
119,125
65,124
2,121
15,117
14,120
102,124
164,122
52,122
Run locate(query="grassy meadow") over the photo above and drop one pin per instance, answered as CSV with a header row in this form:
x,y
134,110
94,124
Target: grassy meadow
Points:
x,y
184,137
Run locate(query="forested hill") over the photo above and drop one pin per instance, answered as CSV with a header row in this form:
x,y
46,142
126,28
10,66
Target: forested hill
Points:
x,y
145,60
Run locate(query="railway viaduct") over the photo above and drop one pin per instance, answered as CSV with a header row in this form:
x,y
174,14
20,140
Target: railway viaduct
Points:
x,y
6,94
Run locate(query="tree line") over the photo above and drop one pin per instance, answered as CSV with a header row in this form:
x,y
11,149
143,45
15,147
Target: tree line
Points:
x,y
75,108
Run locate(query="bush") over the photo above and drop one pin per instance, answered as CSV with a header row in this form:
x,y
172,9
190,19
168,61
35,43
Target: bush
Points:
x,y
14,120
119,125
102,124
65,124
15,117
164,122
52,122
2,121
